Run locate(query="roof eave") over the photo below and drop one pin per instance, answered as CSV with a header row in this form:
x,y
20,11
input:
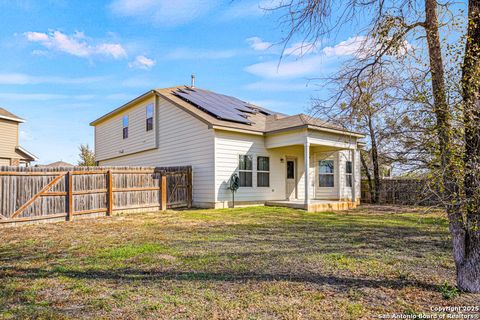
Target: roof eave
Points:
x,y
122,108
226,128
20,120
338,131
26,152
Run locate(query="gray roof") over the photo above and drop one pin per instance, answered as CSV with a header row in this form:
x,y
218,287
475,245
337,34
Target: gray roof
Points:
x,y
221,111
5,114
56,164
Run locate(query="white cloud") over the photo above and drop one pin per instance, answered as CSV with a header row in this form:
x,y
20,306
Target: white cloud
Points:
x,y
36,36
77,44
351,46
258,44
286,69
300,49
163,12
22,79
303,60
113,49
297,49
142,62
187,54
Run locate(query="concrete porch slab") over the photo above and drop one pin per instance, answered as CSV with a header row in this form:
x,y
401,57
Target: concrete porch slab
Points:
x,y
314,205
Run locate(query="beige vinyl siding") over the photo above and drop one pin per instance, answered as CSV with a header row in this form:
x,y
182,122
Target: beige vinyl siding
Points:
x,y
296,137
322,192
344,156
228,147
109,140
4,162
8,139
340,190
183,140
358,174
331,139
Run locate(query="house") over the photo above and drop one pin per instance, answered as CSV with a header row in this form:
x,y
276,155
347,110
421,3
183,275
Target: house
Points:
x,y
296,161
56,164
11,153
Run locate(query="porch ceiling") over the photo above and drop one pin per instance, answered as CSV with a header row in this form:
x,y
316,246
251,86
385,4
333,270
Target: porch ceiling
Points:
x,y
314,138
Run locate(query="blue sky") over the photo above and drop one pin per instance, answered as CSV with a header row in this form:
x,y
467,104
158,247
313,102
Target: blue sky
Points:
x,y
65,63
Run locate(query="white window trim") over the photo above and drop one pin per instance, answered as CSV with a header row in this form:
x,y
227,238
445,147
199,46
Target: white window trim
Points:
x,y
152,117
127,126
262,171
348,174
242,170
326,174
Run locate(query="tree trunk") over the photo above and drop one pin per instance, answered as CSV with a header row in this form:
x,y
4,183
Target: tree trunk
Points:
x,y
467,273
376,166
367,173
468,270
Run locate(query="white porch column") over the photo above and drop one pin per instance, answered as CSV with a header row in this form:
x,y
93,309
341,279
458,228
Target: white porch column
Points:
x,y
354,191
306,170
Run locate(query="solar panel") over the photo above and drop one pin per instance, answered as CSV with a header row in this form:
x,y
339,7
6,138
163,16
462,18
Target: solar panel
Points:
x,y
220,106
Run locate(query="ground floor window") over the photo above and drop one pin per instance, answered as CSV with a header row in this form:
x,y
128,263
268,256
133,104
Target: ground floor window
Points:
x,y
326,173
263,172
348,174
245,170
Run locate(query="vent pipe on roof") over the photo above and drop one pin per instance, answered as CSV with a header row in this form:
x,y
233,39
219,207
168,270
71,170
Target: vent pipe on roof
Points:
x,y
193,81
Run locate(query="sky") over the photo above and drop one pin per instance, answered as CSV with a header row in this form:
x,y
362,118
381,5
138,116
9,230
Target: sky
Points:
x,y
65,63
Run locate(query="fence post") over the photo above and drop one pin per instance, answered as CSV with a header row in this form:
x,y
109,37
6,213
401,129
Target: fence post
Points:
x,y
164,192
190,185
109,193
69,187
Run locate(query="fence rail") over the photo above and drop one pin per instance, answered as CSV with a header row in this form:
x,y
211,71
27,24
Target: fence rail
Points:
x,y
402,191
28,194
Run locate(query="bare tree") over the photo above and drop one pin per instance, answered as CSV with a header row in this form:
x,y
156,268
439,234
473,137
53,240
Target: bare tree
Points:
x,y
370,110
389,27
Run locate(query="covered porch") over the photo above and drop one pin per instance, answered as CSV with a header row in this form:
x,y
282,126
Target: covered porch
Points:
x,y
321,170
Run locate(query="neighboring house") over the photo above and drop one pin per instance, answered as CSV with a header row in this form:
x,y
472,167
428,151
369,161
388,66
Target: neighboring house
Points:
x,y
55,164
277,157
11,153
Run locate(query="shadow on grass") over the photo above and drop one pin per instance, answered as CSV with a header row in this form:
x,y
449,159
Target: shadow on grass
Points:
x,y
130,274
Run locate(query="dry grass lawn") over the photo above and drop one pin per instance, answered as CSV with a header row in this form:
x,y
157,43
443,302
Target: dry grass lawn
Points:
x,y
247,263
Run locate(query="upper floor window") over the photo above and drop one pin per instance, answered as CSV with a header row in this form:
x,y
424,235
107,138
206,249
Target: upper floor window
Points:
x,y
125,127
326,173
149,124
263,172
348,174
245,170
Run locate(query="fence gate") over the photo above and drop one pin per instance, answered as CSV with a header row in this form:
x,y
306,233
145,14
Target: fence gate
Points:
x,y
28,194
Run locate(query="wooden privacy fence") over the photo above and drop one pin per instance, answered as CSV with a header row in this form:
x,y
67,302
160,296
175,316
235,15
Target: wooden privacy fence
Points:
x,y
402,191
28,194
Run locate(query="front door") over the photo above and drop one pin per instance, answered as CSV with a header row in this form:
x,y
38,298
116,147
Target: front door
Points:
x,y
291,179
